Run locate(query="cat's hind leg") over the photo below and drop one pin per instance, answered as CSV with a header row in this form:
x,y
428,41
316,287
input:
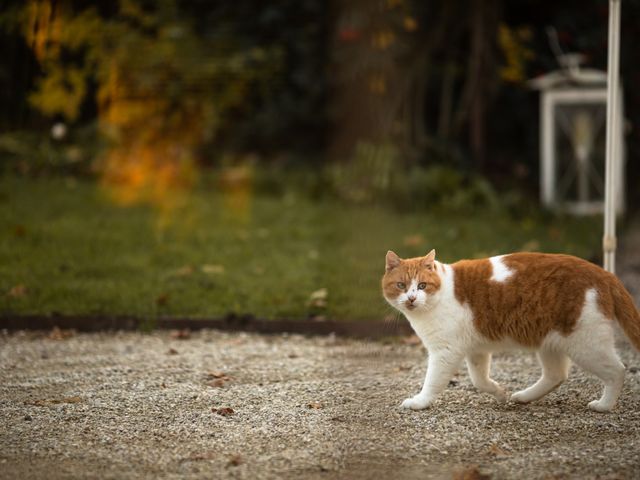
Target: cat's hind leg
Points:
x,y
592,347
479,365
555,370
602,360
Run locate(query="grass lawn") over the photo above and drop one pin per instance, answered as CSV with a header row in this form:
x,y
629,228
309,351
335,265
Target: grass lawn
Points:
x,y
65,248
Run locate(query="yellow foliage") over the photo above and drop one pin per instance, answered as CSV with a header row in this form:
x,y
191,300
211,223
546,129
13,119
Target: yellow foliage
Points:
x,y
383,39
410,24
378,84
161,90
516,53
44,27
60,91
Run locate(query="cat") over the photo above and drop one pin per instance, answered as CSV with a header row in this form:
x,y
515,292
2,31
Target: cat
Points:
x,y
561,306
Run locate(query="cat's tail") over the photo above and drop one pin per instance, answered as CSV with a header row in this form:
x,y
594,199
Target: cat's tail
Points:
x,y
626,312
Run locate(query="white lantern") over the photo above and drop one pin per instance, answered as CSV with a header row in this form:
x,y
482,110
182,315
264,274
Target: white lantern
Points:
x,y
573,112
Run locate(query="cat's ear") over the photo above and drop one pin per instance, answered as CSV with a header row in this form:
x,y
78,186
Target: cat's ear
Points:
x,y
429,259
392,261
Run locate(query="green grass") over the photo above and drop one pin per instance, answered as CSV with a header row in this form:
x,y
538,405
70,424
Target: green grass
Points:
x,y
77,253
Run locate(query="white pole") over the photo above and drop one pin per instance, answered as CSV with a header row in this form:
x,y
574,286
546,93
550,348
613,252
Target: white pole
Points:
x,y
612,154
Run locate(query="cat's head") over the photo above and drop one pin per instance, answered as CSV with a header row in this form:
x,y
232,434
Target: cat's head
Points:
x,y
412,284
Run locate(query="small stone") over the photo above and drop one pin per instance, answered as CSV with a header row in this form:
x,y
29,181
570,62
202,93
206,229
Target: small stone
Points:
x,y
28,417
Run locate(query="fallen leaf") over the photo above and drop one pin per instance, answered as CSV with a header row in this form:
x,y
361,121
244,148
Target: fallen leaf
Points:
x,y
211,269
314,405
183,271
162,299
470,473
19,231
413,240
293,355
218,382
234,461
216,374
224,411
496,451
318,298
53,401
402,368
195,457
71,400
183,334
18,291
172,351
60,334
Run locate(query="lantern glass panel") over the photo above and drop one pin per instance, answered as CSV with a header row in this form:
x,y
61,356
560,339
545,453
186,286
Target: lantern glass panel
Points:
x,y
580,152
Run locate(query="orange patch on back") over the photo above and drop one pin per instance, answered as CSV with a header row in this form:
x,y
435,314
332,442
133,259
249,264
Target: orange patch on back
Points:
x,y
544,293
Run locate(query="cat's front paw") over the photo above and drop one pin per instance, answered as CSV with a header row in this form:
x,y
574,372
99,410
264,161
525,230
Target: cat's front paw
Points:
x,y
599,406
416,402
521,397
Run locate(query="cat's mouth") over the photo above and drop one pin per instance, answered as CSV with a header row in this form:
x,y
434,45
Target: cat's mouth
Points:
x,y
411,306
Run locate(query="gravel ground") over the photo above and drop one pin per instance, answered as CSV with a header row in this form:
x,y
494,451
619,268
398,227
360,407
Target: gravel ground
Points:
x,y
133,405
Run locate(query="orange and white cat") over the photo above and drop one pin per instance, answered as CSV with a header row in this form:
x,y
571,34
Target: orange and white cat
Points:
x,y
561,306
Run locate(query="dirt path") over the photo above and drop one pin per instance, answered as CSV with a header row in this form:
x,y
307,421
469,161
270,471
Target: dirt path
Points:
x,y
126,406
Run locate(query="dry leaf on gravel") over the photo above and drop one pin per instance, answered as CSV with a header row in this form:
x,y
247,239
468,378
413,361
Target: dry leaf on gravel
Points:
x,y
497,452
234,461
218,383
224,411
217,379
60,334
470,473
402,368
195,457
183,334
172,351
53,401
314,405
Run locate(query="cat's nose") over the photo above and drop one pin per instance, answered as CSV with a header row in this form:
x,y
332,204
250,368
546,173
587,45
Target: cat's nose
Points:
x,y
411,298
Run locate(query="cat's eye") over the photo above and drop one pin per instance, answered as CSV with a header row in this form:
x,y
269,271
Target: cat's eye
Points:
x,y
401,285
422,286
